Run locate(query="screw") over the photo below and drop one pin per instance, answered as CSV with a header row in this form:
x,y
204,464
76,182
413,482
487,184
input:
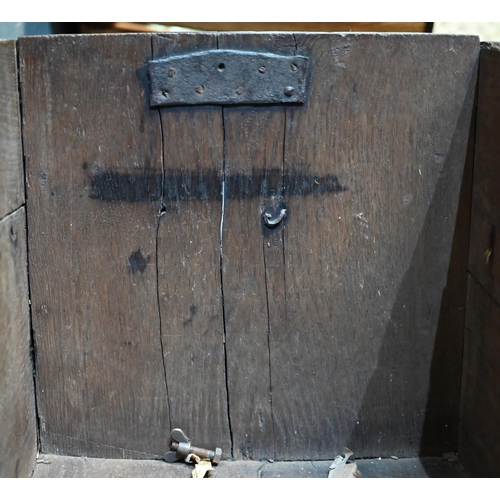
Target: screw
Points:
x,y
199,89
289,91
165,93
239,90
293,67
171,72
262,69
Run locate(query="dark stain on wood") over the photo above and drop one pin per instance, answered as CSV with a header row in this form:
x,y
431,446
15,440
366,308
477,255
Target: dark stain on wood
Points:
x,y
287,342
146,186
138,262
83,105
188,260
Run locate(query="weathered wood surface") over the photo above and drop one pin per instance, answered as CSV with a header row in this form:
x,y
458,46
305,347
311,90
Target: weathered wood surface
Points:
x,y
189,280
320,333
440,431
484,261
353,283
53,466
18,440
11,164
93,160
480,402
252,256
479,438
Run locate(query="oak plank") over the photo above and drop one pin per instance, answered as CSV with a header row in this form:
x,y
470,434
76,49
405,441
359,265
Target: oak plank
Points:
x,y
252,255
484,260
479,443
441,426
479,438
11,161
93,160
189,279
365,269
18,439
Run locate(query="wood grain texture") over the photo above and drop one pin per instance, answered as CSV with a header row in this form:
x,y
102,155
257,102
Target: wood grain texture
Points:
x,y
18,440
93,160
365,268
11,163
189,280
479,445
53,466
322,332
479,439
354,283
252,255
484,260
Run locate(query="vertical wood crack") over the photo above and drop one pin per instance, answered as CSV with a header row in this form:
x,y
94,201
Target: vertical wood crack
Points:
x,y
268,340
223,194
32,347
222,278
161,211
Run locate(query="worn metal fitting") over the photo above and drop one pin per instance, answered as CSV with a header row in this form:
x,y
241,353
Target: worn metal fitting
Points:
x,y
181,447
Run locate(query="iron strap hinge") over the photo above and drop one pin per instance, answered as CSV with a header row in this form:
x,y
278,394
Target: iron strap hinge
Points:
x,y
228,77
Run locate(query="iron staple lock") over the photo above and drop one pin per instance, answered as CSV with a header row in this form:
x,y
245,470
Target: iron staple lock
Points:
x,y
228,77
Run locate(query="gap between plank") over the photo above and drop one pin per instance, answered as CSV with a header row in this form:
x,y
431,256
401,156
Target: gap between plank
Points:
x,y
32,347
223,193
221,268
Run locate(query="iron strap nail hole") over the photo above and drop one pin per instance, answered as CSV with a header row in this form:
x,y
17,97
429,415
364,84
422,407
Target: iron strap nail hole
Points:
x,y
227,77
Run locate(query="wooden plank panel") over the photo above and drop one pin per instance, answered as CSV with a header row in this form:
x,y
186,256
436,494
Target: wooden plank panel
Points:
x,y
365,268
189,262
440,430
480,405
93,159
11,163
18,440
484,260
252,255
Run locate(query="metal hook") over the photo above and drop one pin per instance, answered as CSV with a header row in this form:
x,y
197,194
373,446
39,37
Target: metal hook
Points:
x,y
271,222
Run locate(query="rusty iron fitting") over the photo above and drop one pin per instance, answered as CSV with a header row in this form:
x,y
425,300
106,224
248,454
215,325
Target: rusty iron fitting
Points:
x,y
181,448
185,449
